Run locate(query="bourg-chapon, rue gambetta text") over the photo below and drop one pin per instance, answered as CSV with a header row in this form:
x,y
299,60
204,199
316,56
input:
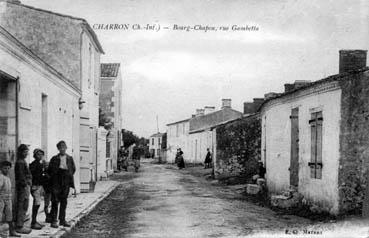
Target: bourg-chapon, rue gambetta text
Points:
x,y
175,27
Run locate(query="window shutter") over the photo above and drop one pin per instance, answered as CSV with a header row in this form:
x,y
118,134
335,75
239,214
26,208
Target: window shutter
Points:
x,y
313,148
319,131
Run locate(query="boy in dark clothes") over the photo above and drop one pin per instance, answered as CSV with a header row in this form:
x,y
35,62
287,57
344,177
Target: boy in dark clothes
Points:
x,y
37,171
23,182
61,170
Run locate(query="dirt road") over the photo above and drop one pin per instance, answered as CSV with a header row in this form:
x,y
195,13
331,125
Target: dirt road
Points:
x,y
161,201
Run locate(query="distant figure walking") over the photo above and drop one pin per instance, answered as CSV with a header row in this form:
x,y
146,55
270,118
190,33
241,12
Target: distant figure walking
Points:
x,y
125,160
180,159
208,159
136,156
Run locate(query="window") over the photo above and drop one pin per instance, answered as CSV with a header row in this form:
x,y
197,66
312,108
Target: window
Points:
x,y
159,141
177,130
152,141
316,124
183,131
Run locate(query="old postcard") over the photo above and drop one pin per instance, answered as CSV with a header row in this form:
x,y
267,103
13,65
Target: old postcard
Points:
x,y
184,118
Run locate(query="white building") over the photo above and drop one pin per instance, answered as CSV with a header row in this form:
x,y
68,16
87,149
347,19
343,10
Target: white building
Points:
x,y
195,135
38,113
177,137
155,144
315,138
202,135
70,47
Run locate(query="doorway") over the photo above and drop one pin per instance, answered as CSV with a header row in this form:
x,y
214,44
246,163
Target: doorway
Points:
x,y
8,122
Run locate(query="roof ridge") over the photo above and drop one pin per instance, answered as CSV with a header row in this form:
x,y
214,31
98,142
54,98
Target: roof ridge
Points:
x,y
48,11
82,20
331,78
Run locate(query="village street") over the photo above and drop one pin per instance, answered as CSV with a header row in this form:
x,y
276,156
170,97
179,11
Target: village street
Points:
x,y
161,201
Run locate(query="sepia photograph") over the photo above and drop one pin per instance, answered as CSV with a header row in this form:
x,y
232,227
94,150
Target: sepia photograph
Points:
x,y
184,118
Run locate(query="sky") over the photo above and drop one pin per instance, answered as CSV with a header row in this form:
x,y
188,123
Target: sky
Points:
x,y
168,73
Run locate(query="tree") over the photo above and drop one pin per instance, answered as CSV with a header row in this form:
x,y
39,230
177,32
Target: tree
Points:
x,y
129,138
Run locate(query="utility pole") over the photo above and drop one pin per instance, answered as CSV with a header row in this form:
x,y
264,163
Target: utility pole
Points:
x,y
157,123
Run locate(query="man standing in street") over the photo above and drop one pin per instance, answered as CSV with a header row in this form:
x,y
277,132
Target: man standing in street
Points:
x,y
61,170
23,182
38,173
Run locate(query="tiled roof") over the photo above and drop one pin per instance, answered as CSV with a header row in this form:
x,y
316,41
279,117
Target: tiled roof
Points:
x,y
209,120
177,122
110,70
84,22
157,134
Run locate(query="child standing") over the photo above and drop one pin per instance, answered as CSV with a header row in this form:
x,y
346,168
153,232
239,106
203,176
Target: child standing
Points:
x,y
6,197
61,170
37,171
23,182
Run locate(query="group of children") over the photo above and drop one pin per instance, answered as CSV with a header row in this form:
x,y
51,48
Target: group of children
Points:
x,y
51,181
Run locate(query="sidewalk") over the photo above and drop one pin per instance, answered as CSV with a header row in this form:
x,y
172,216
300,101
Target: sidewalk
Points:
x,y
77,208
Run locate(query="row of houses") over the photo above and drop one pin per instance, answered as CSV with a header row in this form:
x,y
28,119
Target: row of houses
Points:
x,y
313,137
51,86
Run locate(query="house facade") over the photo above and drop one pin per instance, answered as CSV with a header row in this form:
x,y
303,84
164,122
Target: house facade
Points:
x,y
177,137
155,142
37,104
315,138
72,49
202,133
110,103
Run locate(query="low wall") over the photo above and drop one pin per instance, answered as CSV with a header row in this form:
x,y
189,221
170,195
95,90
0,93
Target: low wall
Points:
x,y
238,148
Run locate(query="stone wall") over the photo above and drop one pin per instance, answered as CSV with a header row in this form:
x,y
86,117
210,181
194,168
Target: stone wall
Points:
x,y
238,148
354,141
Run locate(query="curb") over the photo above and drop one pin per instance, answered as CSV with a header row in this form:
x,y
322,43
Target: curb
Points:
x,y
84,213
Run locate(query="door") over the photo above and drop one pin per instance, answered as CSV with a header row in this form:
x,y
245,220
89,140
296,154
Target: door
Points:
x,y
87,140
294,163
8,122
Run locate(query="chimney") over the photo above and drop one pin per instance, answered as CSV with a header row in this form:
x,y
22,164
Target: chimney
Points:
x,y
226,103
352,60
270,95
257,103
248,108
252,107
288,87
193,115
199,112
208,109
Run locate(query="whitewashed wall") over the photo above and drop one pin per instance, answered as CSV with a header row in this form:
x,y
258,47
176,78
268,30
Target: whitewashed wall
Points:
x,y
276,139
177,138
62,103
